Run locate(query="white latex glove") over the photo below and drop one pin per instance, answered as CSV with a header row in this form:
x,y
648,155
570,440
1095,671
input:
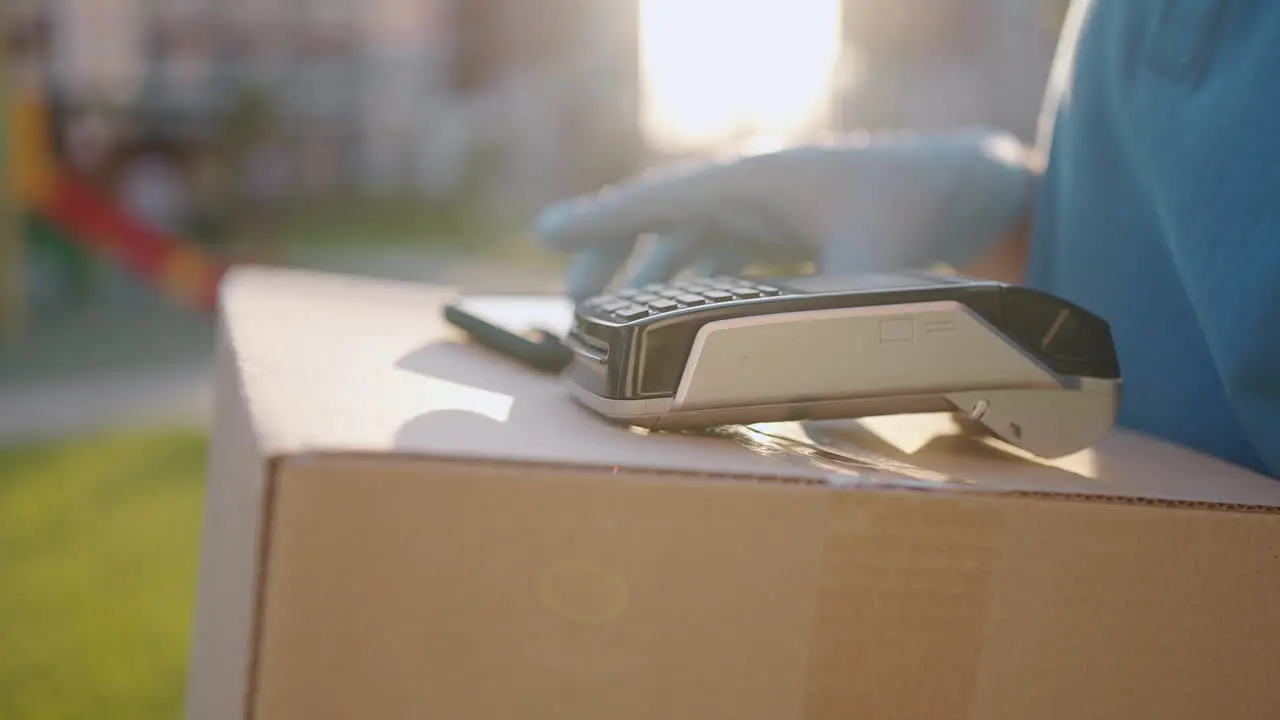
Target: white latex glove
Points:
x,y
868,203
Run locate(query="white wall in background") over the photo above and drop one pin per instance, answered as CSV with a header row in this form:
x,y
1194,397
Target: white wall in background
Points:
x,y
99,46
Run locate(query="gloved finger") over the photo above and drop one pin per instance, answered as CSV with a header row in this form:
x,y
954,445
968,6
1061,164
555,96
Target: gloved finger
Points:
x,y
737,259
659,203
725,245
593,268
874,245
723,260
743,236
670,254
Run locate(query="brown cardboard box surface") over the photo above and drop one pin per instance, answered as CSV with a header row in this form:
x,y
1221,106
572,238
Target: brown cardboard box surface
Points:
x,y
399,525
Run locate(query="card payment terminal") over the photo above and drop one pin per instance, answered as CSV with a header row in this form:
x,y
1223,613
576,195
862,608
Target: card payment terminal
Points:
x,y
1034,370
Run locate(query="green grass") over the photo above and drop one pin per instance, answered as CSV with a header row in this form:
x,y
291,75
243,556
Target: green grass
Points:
x,y
98,554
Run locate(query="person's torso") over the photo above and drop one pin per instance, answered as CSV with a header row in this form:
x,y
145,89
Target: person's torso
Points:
x,y
1165,137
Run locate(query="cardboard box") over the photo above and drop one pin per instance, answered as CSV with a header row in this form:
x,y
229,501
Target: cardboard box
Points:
x,y
400,525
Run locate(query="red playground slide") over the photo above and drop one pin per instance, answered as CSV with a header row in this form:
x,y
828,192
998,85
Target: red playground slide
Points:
x,y
182,271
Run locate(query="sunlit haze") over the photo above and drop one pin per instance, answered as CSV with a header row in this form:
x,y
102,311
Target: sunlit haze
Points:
x,y
733,70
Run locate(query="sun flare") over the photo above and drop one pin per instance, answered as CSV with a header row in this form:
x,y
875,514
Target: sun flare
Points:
x,y
731,70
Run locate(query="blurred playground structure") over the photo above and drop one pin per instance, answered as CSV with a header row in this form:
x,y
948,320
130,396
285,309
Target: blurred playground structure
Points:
x,y
63,213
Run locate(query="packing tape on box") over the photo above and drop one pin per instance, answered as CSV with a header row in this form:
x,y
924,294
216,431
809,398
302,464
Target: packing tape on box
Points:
x,y
904,605
906,581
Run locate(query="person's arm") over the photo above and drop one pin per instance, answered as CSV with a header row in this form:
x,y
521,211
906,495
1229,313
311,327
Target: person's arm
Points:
x,y
1006,261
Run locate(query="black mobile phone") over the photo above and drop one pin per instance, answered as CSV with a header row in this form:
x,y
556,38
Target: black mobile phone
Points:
x,y
527,328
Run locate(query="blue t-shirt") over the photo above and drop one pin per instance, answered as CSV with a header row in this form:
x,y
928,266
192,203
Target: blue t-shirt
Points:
x,y
1160,211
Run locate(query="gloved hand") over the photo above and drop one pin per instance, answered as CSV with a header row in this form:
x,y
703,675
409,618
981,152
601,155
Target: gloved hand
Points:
x,y
863,204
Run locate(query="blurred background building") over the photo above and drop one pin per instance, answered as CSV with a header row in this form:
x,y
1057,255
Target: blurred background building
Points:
x,y
317,97
327,96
